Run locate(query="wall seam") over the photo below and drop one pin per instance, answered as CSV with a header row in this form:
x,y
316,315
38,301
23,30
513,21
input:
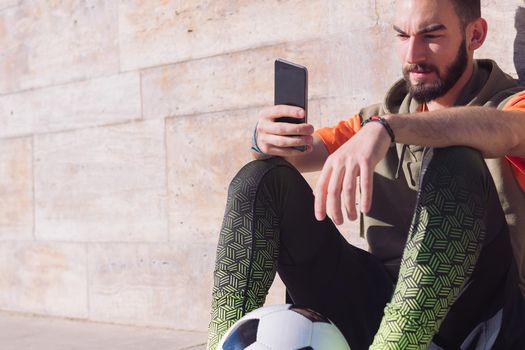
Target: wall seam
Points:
x,y
33,185
166,173
118,39
88,281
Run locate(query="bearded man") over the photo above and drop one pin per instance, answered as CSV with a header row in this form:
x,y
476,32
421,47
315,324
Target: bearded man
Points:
x,y
445,227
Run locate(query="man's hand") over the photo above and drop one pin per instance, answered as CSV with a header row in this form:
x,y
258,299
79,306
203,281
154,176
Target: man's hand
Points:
x,y
274,138
357,157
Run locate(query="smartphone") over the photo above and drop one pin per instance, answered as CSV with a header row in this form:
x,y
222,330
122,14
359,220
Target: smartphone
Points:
x,y
291,88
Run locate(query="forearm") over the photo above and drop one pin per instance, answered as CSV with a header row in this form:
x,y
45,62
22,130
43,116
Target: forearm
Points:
x,y
312,161
494,132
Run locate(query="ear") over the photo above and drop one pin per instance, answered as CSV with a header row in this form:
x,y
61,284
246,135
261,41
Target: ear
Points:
x,y
476,33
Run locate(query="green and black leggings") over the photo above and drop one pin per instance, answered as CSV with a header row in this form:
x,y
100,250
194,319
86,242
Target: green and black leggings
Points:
x,y
457,277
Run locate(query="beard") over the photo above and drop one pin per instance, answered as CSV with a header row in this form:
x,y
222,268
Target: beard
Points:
x,y
424,93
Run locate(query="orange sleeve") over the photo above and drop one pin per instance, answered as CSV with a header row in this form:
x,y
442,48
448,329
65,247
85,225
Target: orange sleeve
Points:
x,y
517,103
518,167
334,137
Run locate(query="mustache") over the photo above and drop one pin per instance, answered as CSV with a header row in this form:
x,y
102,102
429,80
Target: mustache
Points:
x,y
422,67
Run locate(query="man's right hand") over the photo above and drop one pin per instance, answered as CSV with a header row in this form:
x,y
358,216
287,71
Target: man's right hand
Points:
x,y
277,138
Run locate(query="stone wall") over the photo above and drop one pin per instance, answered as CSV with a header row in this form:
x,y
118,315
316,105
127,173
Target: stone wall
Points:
x,y
122,123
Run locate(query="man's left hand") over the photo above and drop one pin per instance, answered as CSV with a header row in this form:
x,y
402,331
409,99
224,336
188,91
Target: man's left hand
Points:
x,y
357,157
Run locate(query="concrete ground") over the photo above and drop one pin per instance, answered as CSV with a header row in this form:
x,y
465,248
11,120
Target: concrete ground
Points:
x,y
22,332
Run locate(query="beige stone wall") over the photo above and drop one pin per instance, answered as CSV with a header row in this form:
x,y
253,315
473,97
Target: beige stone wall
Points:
x,y
122,123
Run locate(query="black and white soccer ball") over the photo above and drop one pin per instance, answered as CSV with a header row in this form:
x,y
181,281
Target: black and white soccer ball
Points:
x,y
283,327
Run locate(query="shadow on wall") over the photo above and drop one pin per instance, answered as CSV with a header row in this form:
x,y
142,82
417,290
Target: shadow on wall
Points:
x,y
519,44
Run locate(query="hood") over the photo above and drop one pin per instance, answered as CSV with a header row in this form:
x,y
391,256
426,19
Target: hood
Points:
x,y
487,81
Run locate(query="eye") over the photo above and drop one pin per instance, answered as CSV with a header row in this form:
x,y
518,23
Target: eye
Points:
x,y
432,36
402,36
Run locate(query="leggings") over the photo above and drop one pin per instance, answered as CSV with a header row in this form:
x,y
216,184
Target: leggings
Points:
x,y
454,271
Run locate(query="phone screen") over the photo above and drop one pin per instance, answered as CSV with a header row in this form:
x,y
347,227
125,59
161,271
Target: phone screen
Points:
x,y
291,88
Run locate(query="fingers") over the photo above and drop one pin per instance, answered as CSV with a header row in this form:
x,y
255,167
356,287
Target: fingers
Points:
x,y
334,194
338,180
267,123
356,157
277,138
320,192
286,141
276,128
366,177
349,192
274,112
286,152
282,145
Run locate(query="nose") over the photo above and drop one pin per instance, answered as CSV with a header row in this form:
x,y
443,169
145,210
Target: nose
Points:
x,y
415,51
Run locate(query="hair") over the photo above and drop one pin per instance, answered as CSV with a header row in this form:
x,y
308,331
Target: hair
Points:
x,y
467,11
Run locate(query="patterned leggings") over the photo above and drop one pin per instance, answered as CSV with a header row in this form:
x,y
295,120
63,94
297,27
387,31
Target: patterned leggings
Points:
x,y
447,266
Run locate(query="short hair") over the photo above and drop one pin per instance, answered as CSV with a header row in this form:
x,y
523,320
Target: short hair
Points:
x,y
467,10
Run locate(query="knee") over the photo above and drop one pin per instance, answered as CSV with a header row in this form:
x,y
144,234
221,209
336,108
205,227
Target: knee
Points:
x,y
251,175
470,157
256,167
463,166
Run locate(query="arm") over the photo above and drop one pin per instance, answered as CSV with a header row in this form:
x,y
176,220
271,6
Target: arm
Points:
x,y
312,161
494,132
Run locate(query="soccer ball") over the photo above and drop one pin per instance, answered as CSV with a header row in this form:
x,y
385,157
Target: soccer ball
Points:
x,y
283,327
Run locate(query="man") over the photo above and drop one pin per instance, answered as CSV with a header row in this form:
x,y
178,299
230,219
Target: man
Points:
x,y
441,273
